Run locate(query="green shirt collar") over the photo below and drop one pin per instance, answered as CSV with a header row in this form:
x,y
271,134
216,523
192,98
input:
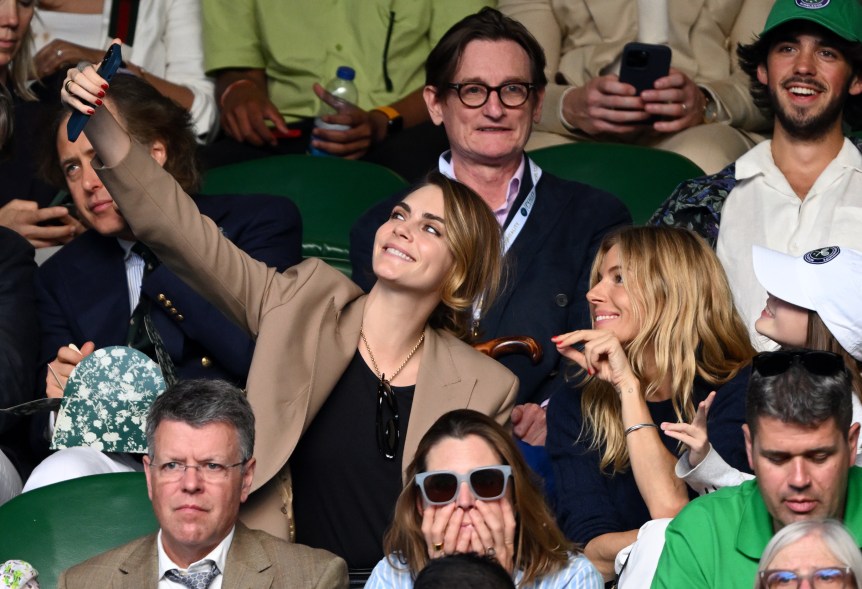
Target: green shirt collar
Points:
x,y
755,529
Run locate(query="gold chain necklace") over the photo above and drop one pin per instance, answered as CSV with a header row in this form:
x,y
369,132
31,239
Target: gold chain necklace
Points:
x,y
403,364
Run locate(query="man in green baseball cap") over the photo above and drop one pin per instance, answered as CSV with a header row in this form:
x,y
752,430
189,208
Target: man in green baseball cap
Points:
x,y
798,189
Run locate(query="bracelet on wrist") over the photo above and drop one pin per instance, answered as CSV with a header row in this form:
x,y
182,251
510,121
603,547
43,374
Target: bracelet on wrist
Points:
x,y
638,426
231,87
394,120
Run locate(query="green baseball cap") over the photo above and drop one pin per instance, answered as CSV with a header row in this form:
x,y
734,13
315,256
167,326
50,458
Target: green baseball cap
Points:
x,y
842,17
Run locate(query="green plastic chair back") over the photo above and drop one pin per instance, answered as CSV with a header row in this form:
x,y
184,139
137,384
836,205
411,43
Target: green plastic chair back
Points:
x,y
61,525
331,194
642,177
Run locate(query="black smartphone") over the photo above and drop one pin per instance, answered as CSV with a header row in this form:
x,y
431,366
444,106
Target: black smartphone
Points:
x,y
109,66
62,199
643,63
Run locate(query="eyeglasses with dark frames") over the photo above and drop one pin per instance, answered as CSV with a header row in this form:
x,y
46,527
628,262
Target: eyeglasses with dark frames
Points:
x,y
440,487
825,578
816,362
211,472
387,420
475,94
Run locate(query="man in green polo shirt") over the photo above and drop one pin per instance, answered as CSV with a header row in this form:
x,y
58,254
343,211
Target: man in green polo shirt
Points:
x,y
268,55
801,446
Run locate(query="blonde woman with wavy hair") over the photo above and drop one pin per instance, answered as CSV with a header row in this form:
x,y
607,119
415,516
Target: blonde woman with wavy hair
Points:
x,y
495,509
665,334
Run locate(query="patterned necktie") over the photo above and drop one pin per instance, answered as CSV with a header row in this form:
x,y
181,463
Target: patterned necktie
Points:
x,y
197,580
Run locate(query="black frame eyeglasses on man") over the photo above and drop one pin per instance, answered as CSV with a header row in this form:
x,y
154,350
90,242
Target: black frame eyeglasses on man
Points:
x,y
475,94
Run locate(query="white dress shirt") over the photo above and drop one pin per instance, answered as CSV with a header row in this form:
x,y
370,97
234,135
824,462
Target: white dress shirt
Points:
x,y
218,555
764,210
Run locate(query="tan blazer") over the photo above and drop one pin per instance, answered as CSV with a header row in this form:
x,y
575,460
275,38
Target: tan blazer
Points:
x,y
306,322
581,38
255,560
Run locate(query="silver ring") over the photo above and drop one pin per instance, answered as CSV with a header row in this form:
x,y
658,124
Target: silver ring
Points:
x,y
66,86
59,53
684,107
490,552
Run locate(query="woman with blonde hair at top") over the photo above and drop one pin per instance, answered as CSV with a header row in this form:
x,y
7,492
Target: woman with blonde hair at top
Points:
x,y
813,303
822,553
343,384
665,333
469,490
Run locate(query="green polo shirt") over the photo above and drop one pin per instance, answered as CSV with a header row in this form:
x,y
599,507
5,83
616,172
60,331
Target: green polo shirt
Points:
x,y
300,42
717,540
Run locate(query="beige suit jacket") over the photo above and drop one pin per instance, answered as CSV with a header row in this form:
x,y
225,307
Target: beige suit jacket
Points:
x,y
256,560
306,322
581,38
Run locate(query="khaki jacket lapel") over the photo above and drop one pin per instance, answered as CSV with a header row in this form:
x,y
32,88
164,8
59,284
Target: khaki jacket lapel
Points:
x,y
616,23
685,14
247,566
141,568
443,389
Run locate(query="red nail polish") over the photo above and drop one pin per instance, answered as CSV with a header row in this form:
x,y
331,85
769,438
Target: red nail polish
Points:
x,y
100,94
104,86
90,111
98,102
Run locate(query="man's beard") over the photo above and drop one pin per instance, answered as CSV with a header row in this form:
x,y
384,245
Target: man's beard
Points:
x,y
806,126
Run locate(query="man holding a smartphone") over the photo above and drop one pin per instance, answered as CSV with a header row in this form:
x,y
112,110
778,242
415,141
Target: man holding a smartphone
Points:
x,y
589,100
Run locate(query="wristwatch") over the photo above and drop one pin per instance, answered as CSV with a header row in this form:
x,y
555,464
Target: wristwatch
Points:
x,y
395,120
710,109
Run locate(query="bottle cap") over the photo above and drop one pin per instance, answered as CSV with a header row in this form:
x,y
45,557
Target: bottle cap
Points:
x,y
345,73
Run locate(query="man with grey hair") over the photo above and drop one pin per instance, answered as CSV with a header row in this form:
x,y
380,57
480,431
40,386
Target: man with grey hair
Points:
x,y
199,469
801,446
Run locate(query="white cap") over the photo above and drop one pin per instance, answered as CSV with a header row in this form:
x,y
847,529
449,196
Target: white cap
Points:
x,y
827,280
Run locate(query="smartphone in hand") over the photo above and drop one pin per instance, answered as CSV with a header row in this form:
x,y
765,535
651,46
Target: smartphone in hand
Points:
x,y
109,66
643,64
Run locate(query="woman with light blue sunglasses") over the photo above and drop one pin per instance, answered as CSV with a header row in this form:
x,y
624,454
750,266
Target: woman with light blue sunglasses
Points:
x,y
470,491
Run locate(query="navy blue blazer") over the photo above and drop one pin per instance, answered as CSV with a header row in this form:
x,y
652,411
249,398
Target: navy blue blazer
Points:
x,y
82,292
548,274
19,327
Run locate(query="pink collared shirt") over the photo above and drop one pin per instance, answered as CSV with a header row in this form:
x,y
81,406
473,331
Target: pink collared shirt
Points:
x,y
447,169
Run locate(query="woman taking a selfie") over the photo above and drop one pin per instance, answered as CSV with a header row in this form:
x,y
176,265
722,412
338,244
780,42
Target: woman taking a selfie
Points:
x,y
470,490
665,335
343,385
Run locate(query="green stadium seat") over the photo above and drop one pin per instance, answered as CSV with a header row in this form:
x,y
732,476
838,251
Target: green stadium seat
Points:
x,y
330,192
642,177
61,525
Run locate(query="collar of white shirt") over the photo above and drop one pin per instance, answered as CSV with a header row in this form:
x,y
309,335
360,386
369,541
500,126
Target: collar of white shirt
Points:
x,y
218,555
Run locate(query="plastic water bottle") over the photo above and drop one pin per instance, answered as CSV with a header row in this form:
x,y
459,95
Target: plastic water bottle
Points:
x,y
343,89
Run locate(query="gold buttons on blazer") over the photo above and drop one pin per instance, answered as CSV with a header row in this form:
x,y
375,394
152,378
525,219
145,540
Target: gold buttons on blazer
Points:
x,y
206,362
169,307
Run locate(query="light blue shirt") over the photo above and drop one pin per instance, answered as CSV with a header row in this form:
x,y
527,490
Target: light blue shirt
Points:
x,y
579,573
